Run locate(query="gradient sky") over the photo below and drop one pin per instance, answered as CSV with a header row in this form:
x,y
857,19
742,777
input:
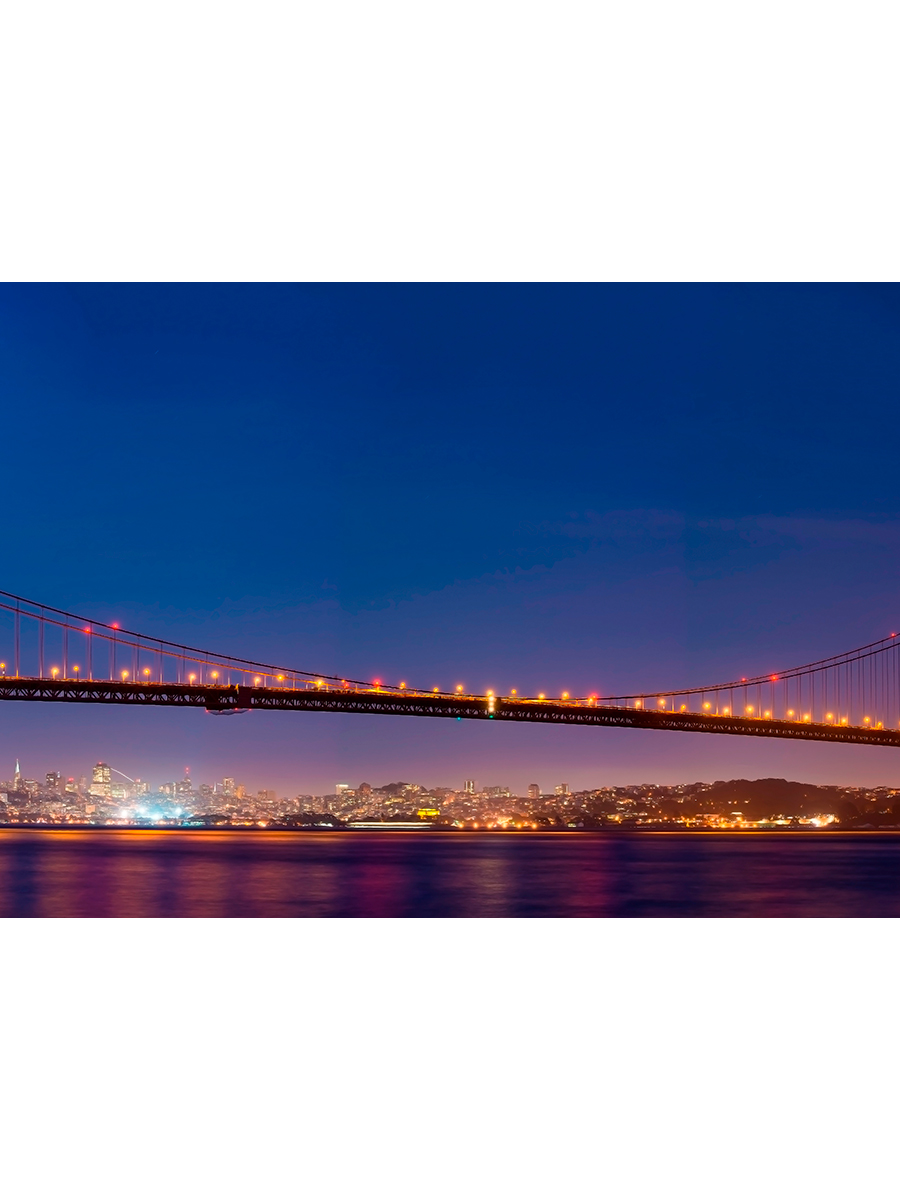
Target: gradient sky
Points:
x,y
590,488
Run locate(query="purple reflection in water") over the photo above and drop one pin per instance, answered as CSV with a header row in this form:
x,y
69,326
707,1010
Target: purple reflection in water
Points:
x,y
199,873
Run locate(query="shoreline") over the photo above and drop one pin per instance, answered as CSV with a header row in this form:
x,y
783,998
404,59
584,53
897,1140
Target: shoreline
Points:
x,y
258,831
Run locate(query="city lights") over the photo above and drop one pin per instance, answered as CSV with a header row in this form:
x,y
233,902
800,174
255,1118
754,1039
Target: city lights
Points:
x,y
96,798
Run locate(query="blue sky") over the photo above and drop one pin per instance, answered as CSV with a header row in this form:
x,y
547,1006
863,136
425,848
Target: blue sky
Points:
x,y
549,487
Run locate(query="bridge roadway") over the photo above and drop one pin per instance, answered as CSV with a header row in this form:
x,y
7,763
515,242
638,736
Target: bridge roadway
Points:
x,y
237,699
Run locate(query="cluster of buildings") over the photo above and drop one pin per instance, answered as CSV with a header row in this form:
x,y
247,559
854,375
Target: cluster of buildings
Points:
x,y
109,797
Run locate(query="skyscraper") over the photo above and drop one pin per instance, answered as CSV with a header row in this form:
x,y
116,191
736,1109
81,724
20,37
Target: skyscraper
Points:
x,y
469,788
534,791
101,784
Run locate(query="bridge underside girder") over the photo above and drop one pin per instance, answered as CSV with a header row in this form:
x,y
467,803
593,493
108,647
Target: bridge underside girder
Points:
x,y
234,699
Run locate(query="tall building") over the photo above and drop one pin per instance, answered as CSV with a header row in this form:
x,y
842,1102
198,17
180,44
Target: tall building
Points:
x,y
53,780
469,787
534,791
101,784
562,789
17,778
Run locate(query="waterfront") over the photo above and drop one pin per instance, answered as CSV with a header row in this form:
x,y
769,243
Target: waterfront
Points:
x,y
205,873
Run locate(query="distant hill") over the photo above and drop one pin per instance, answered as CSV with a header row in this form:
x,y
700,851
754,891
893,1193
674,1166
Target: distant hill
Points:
x,y
758,799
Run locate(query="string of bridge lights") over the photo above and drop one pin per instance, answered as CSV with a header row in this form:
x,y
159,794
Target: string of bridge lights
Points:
x,y
834,686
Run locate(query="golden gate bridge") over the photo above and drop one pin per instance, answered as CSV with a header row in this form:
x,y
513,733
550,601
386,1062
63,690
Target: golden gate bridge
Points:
x,y
55,655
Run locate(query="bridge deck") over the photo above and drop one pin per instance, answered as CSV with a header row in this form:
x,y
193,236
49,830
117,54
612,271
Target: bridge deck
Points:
x,y
234,699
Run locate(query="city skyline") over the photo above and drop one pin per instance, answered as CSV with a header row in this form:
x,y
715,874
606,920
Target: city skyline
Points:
x,y
723,805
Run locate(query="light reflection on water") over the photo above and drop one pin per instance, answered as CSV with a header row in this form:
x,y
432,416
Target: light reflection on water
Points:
x,y
204,873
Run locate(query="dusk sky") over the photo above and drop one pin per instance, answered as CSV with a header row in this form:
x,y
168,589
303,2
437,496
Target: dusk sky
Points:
x,y
585,488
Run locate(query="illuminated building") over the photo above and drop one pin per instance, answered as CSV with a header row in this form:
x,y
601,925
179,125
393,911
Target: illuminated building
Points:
x,y
534,791
561,789
53,780
101,783
469,787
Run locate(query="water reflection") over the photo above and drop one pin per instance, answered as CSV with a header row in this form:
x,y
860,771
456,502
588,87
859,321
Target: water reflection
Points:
x,y
199,873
